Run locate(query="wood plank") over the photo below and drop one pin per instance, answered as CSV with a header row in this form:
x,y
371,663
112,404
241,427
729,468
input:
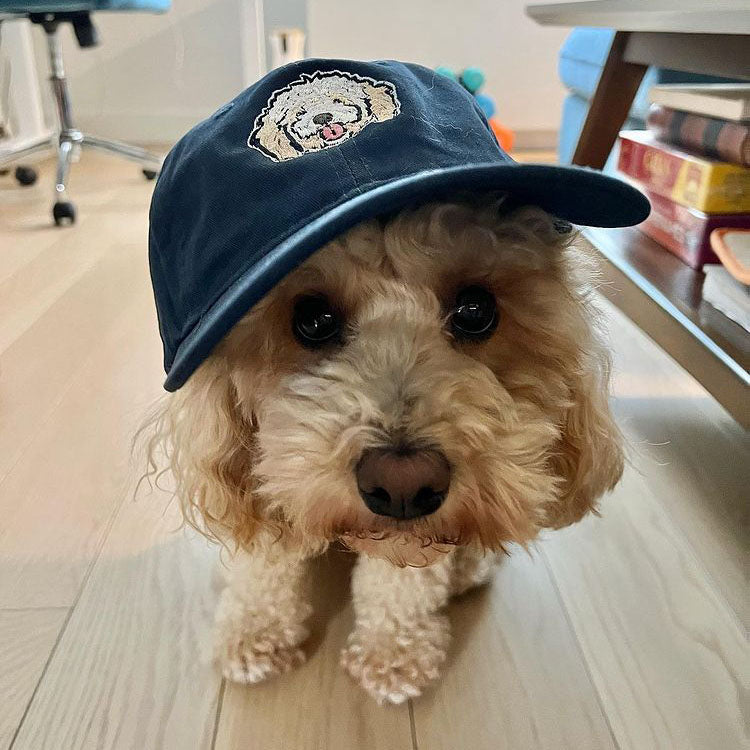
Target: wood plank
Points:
x,y
515,677
26,292
26,640
26,226
133,668
610,105
695,457
39,365
669,659
317,706
53,519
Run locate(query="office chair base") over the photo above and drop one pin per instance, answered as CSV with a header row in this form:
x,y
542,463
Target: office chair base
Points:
x,y
70,140
64,212
25,176
67,148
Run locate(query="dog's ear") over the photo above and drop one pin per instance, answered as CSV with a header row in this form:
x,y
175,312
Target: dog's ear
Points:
x,y
210,446
588,457
271,139
382,99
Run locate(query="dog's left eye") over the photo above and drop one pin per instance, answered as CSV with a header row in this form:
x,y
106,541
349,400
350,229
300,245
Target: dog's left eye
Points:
x,y
314,322
474,315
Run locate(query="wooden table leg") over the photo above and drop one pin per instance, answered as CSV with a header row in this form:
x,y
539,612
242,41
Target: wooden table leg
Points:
x,y
614,95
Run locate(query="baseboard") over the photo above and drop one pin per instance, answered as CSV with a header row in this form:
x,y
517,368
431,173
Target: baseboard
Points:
x,y
536,139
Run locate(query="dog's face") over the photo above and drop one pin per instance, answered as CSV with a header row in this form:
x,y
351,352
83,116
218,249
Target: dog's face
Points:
x,y
319,110
427,381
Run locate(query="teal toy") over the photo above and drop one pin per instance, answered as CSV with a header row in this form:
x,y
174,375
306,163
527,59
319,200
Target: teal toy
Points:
x,y
472,79
444,70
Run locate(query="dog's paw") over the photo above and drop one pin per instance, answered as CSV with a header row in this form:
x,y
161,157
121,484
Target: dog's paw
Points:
x,y
248,658
395,666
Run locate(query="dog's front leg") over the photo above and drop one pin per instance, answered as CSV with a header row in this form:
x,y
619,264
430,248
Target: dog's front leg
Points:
x,y
400,637
260,621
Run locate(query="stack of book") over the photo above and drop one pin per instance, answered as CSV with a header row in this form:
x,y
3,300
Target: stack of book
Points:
x,y
694,164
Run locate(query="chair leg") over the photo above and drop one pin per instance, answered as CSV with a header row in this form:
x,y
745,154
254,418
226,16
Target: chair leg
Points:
x,y
63,210
64,159
12,156
149,161
71,139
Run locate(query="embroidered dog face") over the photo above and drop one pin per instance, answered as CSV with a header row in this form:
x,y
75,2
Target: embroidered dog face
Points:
x,y
318,110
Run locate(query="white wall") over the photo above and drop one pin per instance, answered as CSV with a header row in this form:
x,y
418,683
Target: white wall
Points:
x,y
518,56
152,77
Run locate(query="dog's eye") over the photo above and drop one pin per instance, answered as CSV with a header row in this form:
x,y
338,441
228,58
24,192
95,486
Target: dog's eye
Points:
x,y
315,323
474,315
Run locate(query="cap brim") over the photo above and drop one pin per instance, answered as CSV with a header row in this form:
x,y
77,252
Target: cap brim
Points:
x,y
577,195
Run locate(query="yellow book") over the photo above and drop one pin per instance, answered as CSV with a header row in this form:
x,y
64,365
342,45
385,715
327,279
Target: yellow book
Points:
x,y
711,186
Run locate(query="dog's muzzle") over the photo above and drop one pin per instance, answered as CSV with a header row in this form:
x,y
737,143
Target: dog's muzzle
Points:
x,y
331,131
403,484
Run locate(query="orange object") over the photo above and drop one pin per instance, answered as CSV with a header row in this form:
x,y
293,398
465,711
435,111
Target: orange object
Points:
x,y
505,136
733,248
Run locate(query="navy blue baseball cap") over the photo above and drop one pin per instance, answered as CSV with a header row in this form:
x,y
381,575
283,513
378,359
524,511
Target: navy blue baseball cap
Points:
x,y
307,152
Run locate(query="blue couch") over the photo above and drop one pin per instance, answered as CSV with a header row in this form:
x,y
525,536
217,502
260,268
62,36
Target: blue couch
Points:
x,y
581,60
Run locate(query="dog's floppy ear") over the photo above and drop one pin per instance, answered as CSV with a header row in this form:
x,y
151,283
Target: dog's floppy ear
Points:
x,y
271,139
588,457
382,99
210,447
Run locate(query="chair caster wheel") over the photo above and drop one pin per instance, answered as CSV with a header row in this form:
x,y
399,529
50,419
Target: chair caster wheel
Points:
x,y
63,211
149,174
25,175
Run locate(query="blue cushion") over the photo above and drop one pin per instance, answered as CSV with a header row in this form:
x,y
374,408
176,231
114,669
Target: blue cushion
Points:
x,y
575,109
25,7
587,45
582,58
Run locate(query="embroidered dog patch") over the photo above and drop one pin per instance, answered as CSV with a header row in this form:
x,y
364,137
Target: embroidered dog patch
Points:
x,y
319,110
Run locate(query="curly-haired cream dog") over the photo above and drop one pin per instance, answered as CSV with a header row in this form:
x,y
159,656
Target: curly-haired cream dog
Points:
x,y
427,389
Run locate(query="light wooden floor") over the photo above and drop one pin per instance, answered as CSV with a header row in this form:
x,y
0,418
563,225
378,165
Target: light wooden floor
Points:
x,y
627,632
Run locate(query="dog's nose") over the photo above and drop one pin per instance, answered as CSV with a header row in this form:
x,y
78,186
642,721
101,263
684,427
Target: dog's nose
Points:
x,y
403,484
323,118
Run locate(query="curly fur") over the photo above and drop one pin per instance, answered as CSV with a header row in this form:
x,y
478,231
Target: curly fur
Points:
x,y
263,439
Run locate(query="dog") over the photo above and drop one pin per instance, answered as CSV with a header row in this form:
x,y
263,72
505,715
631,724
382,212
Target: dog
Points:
x,y
320,110
425,390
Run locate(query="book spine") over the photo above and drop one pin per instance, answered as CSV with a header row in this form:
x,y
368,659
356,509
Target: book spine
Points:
x,y
718,139
685,231
709,186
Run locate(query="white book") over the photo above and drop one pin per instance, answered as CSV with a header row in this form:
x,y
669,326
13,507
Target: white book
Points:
x,y
727,101
731,297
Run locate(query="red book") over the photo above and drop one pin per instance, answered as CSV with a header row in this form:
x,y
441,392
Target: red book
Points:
x,y
711,186
685,231
719,139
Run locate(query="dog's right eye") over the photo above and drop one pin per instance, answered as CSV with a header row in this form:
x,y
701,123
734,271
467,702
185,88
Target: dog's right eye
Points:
x,y
315,323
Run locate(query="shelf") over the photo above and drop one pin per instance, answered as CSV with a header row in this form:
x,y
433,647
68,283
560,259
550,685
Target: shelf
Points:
x,y
663,297
686,16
